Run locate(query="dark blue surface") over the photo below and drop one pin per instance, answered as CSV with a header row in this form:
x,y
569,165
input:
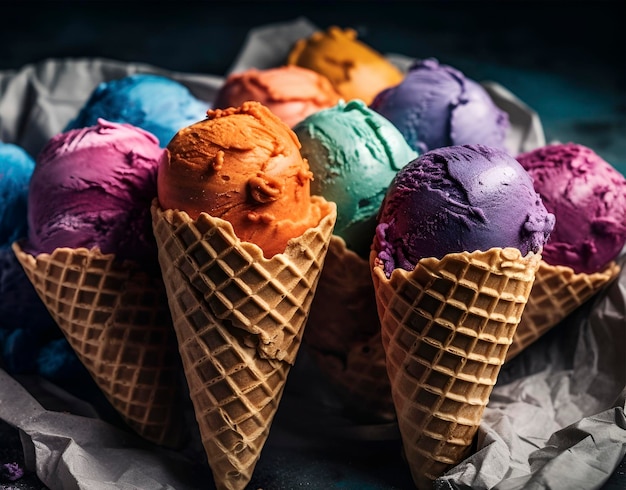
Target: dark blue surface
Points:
x,y
566,60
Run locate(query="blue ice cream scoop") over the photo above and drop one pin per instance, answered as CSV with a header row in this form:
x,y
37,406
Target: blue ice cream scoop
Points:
x,y
27,330
155,103
16,168
20,307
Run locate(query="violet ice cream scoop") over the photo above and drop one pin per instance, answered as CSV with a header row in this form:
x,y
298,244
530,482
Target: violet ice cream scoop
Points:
x,y
459,198
92,187
436,105
588,197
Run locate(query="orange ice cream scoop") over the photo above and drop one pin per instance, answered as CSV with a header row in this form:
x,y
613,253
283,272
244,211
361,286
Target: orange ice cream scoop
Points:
x,y
291,92
243,165
356,70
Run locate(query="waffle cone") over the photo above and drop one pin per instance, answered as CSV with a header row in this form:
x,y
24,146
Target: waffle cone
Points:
x,y
239,319
446,328
116,319
343,333
556,293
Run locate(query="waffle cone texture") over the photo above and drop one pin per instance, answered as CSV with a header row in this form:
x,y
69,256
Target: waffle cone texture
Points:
x,y
343,333
446,328
115,317
239,319
556,293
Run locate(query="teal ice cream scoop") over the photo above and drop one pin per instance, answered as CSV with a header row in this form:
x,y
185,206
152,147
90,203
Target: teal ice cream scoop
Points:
x,y
354,153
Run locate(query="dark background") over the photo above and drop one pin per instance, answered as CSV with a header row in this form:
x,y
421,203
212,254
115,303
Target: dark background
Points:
x,y
585,39
566,60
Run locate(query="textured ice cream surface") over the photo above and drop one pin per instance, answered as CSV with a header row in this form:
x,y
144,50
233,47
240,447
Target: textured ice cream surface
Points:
x,y
92,187
290,92
154,103
436,105
355,69
456,199
354,153
16,169
588,197
243,165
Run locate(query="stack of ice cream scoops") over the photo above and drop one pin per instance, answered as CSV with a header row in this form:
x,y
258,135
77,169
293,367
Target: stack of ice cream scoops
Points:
x,y
174,238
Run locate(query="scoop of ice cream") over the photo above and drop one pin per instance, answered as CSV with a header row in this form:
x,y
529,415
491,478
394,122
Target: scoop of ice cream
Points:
x,y
23,316
356,70
243,165
588,197
354,153
435,105
16,168
154,103
92,187
459,198
290,92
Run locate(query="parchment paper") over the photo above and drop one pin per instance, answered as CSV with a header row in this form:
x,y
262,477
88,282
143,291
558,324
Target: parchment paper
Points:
x,y
555,419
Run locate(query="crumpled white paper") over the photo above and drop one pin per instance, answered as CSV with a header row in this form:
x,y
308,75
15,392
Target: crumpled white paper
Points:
x,y
555,419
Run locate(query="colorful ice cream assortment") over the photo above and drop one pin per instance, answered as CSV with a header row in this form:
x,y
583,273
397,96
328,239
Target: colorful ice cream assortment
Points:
x,y
436,105
242,243
291,92
356,70
354,153
226,212
16,168
155,103
588,197
243,165
458,243
91,255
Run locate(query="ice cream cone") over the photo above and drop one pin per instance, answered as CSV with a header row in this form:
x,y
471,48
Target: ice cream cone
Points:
x,y
115,317
343,333
446,328
239,319
556,293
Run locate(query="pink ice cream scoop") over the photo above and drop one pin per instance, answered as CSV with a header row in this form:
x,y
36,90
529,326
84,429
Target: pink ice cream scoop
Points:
x,y
92,187
291,92
588,197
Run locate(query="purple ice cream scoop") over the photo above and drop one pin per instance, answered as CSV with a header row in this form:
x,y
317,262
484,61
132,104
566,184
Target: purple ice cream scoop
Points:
x,y
435,105
459,198
93,187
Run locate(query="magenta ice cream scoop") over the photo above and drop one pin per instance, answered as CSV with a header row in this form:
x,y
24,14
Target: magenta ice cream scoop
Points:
x,y
92,187
436,105
588,197
459,198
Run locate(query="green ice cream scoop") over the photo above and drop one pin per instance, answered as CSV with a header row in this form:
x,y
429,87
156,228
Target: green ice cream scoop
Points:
x,y
354,153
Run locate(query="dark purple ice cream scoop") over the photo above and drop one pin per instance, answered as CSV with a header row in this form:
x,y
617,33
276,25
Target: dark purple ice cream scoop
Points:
x,y
459,198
